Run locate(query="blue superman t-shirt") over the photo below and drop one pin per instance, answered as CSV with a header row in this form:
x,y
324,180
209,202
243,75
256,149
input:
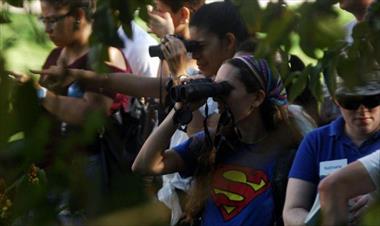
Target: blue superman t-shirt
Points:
x,y
241,191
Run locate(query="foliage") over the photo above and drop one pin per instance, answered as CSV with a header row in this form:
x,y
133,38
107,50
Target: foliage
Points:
x,y
24,44
28,196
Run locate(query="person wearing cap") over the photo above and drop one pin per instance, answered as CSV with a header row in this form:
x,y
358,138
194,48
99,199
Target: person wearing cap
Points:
x,y
333,191
351,136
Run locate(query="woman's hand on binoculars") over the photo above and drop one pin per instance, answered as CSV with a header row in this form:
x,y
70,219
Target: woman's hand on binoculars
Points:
x,y
160,24
175,55
185,79
192,106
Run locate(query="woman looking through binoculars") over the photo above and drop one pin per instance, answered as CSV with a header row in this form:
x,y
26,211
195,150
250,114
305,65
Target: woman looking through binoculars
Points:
x,y
234,167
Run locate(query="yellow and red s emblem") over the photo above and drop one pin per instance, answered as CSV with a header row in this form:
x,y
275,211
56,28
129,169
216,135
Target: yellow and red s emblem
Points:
x,y
234,187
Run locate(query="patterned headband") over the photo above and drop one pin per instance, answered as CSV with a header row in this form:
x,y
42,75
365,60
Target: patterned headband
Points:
x,y
272,86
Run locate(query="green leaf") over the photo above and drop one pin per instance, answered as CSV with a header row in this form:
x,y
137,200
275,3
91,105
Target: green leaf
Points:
x,y
315,82
279,27
319,28
251,12
26,107
4,16
298,86
98,54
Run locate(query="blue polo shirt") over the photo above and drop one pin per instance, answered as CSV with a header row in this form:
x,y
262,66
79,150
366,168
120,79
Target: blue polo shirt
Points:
x,y
327,148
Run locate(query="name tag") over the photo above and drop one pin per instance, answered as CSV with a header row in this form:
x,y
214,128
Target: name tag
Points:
x,y
328,167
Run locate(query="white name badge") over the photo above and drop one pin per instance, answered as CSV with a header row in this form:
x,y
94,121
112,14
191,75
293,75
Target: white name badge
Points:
x,y
328,167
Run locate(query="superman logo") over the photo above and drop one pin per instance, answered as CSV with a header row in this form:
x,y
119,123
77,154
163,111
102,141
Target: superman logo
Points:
x,y
235,187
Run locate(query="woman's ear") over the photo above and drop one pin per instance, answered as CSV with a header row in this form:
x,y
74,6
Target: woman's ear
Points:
x,y
79,14
230,42
257,98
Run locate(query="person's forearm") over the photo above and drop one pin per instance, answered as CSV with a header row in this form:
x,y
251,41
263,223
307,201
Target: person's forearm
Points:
x,y
138,86
334,208
129,84
150,158
68,109
295,217
333,199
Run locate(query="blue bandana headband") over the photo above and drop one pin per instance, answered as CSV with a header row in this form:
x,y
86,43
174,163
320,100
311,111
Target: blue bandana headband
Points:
x,y
273,86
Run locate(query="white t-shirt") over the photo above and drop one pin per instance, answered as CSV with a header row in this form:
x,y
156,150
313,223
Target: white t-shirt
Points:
x,y
136,51
372,164
349,27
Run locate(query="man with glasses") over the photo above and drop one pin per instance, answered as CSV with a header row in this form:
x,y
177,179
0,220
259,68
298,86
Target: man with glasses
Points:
x,y
353,135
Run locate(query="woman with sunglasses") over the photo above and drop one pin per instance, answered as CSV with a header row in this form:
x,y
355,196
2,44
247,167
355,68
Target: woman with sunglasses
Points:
x,y
353,135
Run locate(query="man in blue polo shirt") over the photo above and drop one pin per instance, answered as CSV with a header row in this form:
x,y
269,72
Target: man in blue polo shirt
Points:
x,y
353,135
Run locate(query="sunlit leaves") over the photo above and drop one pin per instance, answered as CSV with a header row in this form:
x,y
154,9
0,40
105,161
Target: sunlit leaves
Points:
x,y
251,12
4,16
15,3
318,28
299,82
279,21
313,22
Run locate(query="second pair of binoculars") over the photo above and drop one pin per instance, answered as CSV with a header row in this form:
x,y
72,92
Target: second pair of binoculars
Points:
x,y
199,89
191,46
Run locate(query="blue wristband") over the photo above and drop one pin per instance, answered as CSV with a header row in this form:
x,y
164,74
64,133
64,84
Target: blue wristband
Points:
x,y
41,93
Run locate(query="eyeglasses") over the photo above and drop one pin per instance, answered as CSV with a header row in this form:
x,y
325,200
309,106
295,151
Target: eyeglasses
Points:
x,y
354,102
52,20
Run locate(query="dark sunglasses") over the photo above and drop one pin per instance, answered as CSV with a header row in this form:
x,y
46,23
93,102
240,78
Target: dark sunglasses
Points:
x,y
354,102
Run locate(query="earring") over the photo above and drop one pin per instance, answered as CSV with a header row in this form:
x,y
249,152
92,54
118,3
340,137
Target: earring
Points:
x,y
76,24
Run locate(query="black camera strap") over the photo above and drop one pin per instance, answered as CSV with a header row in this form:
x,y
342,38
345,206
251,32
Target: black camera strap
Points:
x,y
205,126
182,117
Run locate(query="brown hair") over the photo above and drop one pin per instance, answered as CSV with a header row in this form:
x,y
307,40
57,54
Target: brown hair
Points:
x,y
276,122
88,6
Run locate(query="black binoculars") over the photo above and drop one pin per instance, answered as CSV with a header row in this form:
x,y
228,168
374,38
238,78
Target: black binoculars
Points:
x,y
199,89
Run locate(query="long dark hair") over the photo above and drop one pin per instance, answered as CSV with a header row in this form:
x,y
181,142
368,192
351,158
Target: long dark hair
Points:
x,y
275,119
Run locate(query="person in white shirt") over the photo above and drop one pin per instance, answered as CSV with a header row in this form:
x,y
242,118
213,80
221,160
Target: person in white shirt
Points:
x,y
361,177
358,8
136,51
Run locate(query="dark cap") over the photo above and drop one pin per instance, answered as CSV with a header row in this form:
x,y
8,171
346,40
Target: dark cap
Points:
x,y
368,87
